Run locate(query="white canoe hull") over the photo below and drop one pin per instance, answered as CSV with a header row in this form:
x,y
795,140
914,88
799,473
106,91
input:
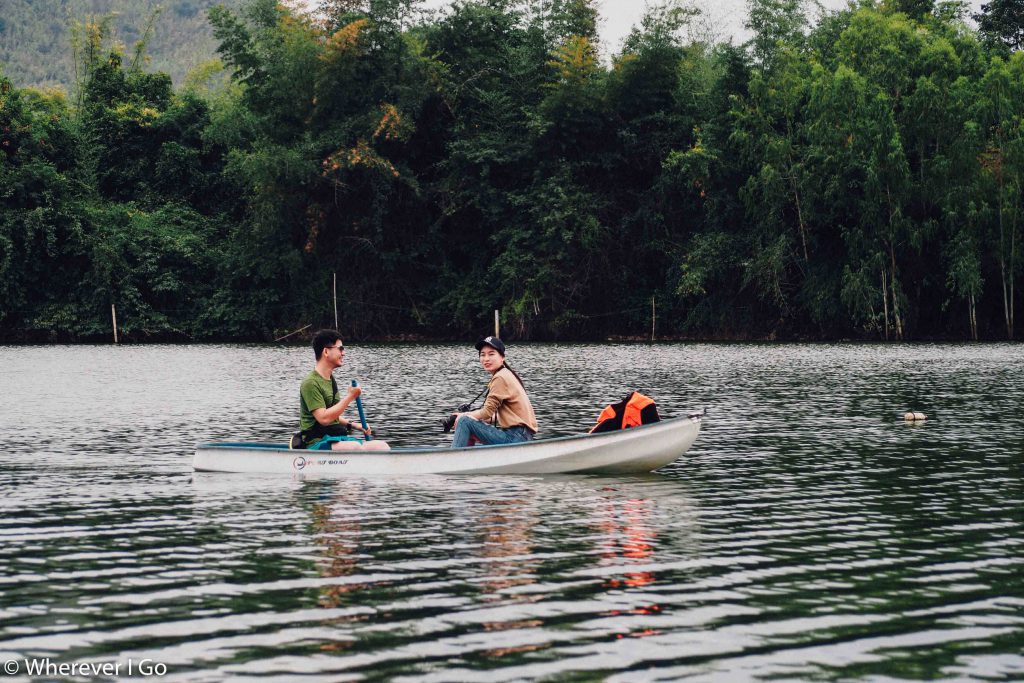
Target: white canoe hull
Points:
x,y
630,451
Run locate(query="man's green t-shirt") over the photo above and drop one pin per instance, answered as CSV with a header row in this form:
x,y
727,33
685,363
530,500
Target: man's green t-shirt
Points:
x,y
315,392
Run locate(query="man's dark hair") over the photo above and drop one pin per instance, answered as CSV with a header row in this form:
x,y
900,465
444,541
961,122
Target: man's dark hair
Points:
x,y
324,338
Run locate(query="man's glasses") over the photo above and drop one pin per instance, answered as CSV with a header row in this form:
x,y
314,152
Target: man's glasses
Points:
x,y
339,347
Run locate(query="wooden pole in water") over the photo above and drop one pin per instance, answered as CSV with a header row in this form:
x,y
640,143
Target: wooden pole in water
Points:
x,y
885,304
113,317
653,313
335,291
497,326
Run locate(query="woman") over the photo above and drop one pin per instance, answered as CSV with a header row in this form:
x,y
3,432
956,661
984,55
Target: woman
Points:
x,y
507,404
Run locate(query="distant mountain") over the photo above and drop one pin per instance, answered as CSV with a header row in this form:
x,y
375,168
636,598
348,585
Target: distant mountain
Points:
x,y
35,47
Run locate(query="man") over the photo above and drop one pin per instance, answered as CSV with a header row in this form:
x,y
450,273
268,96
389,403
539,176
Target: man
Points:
x,y
320,406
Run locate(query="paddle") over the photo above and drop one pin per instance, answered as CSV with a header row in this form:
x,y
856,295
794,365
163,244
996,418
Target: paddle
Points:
x,y
362,415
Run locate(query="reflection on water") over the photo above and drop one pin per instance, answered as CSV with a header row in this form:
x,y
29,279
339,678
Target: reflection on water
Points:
x,y
809,534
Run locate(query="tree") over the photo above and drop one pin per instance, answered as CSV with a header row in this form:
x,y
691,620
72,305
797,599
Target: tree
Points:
x,y
776,24
42,240
915,9
565,19
1001,22
331,162
1000,109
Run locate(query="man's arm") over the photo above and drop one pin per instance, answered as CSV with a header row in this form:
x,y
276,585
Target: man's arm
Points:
x,y
326,416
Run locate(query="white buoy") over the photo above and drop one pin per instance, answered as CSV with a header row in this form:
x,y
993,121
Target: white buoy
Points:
x,y
915,417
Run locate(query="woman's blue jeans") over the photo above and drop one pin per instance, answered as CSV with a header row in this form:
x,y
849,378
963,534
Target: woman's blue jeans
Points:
x,y
487,434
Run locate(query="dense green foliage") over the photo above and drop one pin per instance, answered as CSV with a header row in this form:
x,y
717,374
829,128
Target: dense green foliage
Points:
x,y
857,178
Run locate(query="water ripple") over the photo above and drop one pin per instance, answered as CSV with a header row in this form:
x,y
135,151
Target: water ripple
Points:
x,y
810,533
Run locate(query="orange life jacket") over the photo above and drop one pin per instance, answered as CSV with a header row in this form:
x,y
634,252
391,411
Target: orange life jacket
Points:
x,y
632,411
636,403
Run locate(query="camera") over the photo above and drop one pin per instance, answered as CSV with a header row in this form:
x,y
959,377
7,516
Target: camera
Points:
x,y
448,423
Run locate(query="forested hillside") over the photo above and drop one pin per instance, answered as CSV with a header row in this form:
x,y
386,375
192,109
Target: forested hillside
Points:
x,y
35,36
856,178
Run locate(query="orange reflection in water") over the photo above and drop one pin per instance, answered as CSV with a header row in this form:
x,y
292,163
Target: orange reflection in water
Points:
x,y
630,540
639,634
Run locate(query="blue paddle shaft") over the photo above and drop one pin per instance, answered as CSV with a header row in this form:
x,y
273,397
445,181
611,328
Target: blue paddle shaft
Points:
x,y
359,407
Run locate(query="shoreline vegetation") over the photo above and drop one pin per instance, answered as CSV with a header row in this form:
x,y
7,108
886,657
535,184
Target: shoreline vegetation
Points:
x,y
854,175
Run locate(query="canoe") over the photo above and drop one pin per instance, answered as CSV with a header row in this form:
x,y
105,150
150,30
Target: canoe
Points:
x,y
629,451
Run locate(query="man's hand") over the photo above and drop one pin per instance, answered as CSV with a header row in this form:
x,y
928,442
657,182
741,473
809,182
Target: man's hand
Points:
x,y
354,393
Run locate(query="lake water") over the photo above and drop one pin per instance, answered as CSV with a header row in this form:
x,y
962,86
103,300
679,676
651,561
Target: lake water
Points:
x,y
810,534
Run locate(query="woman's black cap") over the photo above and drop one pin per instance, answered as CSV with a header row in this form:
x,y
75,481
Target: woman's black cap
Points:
x,y
493,342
